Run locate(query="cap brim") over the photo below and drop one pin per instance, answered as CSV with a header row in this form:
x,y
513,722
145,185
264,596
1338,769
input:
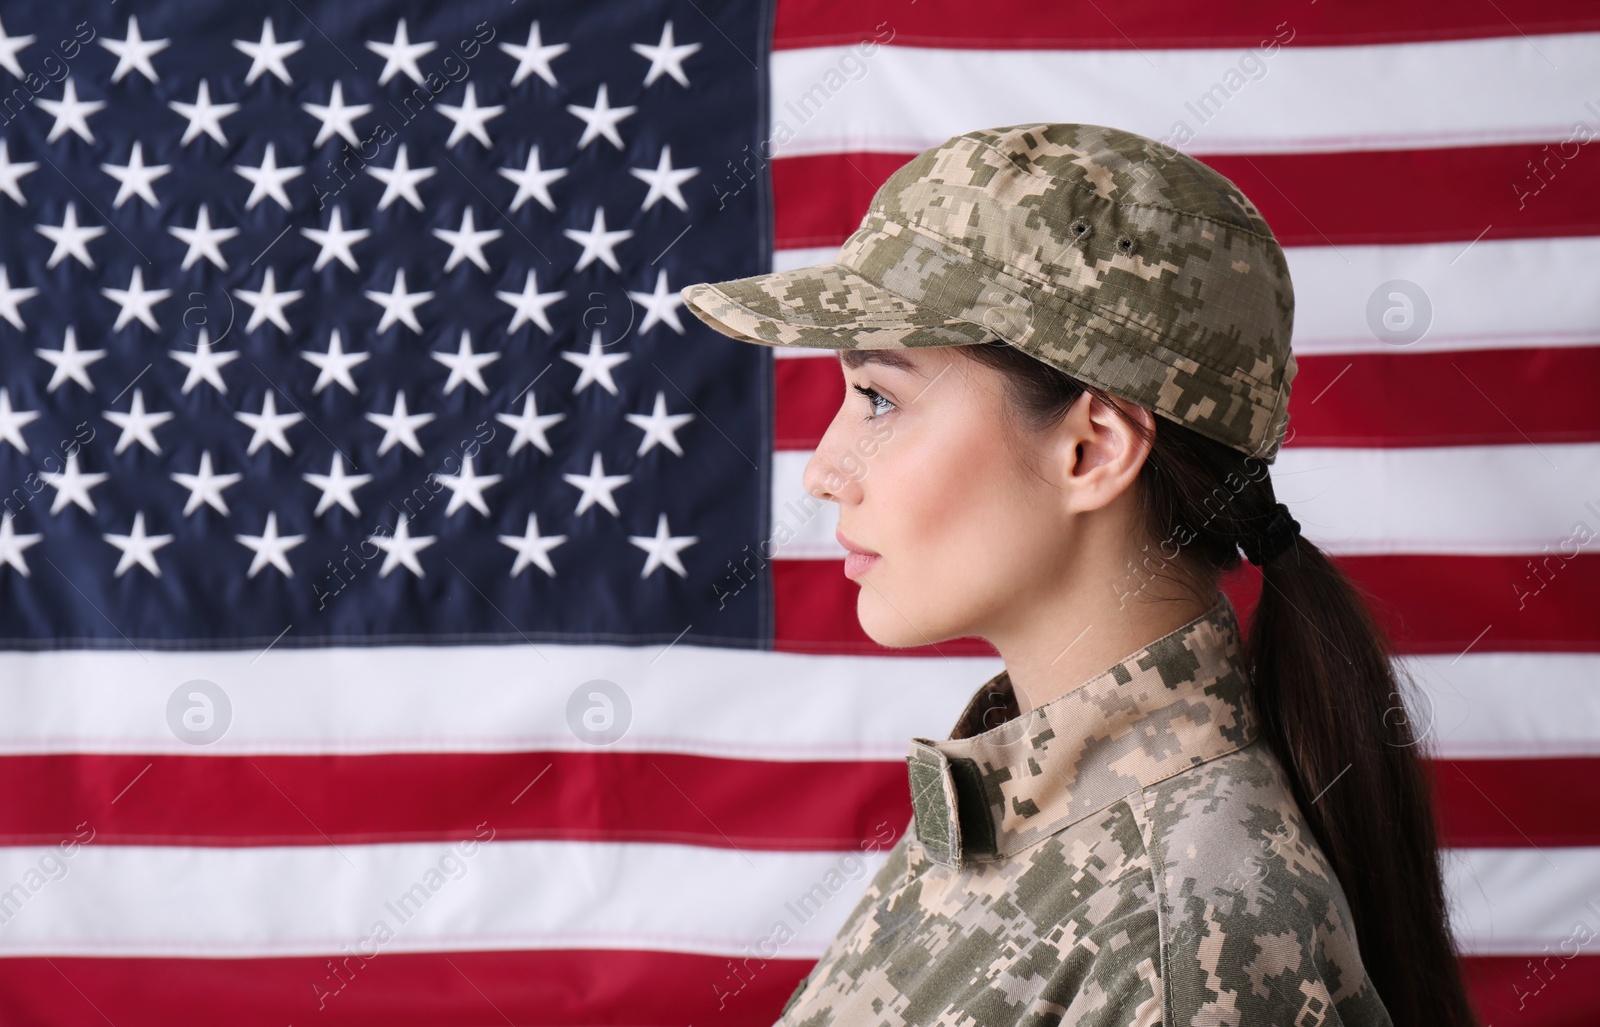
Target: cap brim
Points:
x,y
824,306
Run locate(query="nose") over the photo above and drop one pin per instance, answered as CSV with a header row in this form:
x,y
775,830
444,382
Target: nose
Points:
x,y
825,477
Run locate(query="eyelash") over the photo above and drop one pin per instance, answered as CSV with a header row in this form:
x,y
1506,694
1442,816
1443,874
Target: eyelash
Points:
x,y
872,395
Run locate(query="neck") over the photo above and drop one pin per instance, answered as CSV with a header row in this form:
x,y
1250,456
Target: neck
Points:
x,y
1066,644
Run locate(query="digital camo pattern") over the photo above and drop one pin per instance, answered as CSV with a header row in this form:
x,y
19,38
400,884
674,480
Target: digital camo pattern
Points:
x,y
1103,253
1129,853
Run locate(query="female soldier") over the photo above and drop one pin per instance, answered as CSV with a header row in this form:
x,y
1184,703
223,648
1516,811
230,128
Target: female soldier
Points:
x,y
1067,353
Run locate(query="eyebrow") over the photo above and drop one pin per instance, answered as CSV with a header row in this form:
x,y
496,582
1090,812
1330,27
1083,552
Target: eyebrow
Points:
x,y
855,358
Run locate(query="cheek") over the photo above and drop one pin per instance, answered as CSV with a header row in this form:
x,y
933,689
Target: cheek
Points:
x,y
951,497
985,530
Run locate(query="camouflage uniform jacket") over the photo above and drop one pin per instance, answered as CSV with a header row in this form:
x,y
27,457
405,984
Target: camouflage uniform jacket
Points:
x,y
1128,853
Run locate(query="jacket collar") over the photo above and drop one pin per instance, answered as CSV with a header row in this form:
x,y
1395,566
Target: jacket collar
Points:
x,y
1003,781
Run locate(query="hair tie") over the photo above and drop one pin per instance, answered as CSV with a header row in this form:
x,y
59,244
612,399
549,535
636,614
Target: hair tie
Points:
x,y
1272,540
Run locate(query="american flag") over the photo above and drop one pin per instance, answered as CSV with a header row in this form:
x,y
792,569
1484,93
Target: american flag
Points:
x,y
411,615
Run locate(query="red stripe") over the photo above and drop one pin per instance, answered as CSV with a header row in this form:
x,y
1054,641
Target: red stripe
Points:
x,y
1404,398
1427,604
354,800
317,800
400,989
1446,604
1558,989
1461,398
1092,25
1514,191
579,986
1517,803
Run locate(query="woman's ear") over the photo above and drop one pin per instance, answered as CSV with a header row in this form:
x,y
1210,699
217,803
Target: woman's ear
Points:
x,y
1103,452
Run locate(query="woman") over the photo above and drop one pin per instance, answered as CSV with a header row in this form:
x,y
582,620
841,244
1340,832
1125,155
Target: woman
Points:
x,y
1066,351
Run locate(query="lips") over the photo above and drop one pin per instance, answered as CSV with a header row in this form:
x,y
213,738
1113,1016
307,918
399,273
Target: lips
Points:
x,y
844,540
857,560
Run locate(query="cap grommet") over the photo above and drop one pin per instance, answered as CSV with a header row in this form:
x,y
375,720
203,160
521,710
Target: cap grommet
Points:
x,y
1124,244
1080,227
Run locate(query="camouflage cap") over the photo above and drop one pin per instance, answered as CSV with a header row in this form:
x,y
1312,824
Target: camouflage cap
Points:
x,y
1110,256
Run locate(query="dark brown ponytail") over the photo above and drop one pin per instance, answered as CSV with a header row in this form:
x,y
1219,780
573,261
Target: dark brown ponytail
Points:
x,y
1330,700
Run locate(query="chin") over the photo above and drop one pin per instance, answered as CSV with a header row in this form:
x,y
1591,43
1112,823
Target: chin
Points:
x,y
899,625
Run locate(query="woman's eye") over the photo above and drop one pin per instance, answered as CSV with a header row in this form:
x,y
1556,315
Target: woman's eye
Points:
x,y
874,397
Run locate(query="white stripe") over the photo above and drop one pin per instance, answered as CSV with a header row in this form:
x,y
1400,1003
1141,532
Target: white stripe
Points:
x,y
1509,902
1465,286
1490,294
1405,95
1448,499
732,703
1442,500
1487,705
120,900
1481,705
134,900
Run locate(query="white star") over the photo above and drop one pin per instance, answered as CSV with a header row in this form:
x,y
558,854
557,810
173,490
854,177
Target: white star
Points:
x,y
467,487
597,486
666,57
12,545
401,180
659,426
337,118
13,421
137,547
401,548
70,238
530,304
203,364
203,240
268,426
70,113
601,119
532,57
337,487
529,426
270,547
531,547
465,365
70,362
336,241
663,548
267,179
469,118
334,365
134,52
596,364
72,485
597,242
398,304
400,426
206,487
268,54
11,299
267,304
664,181
659,306
134,177
467,242
400,55
136,301
204,116
533,181
11,172
137,425
10,46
